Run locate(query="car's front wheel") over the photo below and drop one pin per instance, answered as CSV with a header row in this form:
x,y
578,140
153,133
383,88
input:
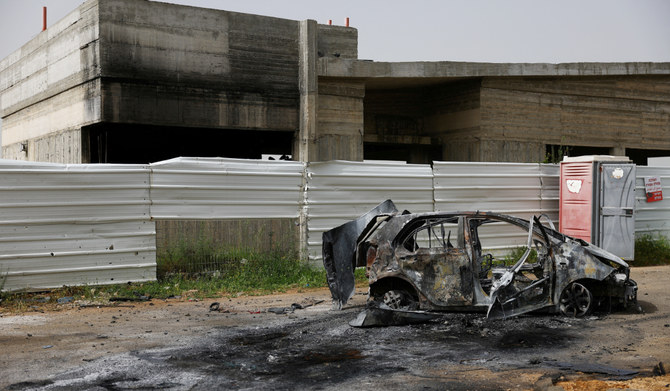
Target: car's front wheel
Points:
x,y
576,300
398,299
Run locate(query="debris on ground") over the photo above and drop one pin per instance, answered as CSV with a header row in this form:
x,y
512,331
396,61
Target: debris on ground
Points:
x,y
616,373
659,369
42,299
216,307
285,310
379,314
138,298
65,300
295,306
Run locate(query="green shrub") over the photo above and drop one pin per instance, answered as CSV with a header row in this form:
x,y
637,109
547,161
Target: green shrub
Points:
x,y
232,270
511,258
651,250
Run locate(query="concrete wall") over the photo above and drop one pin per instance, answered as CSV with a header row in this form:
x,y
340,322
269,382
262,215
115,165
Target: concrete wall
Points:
x,y
512,119
395,125
340,121
455,118
256,235
48,89
163,65
520,115
166,64
446,115
337,42
159,66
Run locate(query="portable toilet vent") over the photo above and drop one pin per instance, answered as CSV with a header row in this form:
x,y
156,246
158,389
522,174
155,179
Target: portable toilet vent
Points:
x,y
597,198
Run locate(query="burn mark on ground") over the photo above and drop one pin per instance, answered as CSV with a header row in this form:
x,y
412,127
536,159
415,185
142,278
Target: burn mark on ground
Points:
x,y
324,352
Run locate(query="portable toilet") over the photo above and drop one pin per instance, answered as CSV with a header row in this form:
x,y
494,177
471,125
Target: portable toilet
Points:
x,y
597,198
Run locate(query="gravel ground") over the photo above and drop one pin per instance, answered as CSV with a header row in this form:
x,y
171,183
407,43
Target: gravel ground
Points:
x,y
248,343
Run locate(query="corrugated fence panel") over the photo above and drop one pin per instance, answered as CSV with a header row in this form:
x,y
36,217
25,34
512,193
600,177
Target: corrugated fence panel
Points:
x,y
74,224
549,196
92,224
217,188
340,191
518,189
652,217
510,188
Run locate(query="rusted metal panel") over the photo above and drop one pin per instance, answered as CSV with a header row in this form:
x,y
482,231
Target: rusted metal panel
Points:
x,y
74,224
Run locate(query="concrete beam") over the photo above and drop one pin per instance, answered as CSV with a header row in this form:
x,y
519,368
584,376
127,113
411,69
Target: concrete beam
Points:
x,y
336,67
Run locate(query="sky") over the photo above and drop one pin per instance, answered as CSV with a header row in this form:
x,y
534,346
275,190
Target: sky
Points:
x,y
440,30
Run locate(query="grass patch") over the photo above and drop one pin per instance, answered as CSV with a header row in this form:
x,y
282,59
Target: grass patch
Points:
x,y
513,256
200,271
651,250
234,269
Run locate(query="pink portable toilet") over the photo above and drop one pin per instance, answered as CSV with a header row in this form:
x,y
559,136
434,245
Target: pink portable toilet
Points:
x,y
597,197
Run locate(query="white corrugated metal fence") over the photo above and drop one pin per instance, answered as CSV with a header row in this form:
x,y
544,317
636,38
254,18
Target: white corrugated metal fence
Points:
x,y
216,188
95,224
74,224
339,191
652,217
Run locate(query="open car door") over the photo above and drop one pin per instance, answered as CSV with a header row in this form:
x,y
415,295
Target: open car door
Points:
x,y
526,286
339,252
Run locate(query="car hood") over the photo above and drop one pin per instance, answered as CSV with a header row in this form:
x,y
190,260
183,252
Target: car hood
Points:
x,y
604,254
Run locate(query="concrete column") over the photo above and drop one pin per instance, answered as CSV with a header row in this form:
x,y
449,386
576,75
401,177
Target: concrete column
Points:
x,y
619,150
306,148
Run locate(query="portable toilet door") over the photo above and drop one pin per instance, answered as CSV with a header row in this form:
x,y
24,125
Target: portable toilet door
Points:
x,y
616,218
597,198
576,211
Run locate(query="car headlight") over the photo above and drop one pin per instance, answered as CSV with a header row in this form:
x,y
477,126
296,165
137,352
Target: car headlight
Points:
x,y
620,278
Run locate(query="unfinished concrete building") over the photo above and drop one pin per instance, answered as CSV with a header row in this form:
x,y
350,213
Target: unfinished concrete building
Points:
x,y
134,81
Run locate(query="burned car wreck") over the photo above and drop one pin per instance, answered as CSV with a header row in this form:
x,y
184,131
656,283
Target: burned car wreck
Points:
x,y
472,261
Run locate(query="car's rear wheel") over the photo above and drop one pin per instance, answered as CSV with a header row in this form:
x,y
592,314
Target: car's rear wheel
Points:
x,y
576,300
398,299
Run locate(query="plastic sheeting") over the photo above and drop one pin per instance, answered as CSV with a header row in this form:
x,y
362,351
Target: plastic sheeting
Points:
x,y
74,224
217,188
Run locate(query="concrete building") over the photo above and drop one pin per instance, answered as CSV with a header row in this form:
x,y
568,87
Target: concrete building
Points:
x,y
139,81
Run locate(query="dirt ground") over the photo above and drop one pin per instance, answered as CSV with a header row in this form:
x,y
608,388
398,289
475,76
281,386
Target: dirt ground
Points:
x,y
261,342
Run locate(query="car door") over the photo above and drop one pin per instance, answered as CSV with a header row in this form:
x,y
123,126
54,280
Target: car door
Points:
x,y
525,285
433,256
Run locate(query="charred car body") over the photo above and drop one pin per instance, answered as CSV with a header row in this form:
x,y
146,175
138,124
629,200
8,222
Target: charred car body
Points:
x,y
463,261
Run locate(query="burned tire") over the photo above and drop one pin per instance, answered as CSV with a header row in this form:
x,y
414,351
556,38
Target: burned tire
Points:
x,y
398,299
576,300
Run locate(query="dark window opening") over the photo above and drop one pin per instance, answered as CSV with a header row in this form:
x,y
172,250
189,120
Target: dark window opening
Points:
x,y
639,156
410,153
115,143
555,153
